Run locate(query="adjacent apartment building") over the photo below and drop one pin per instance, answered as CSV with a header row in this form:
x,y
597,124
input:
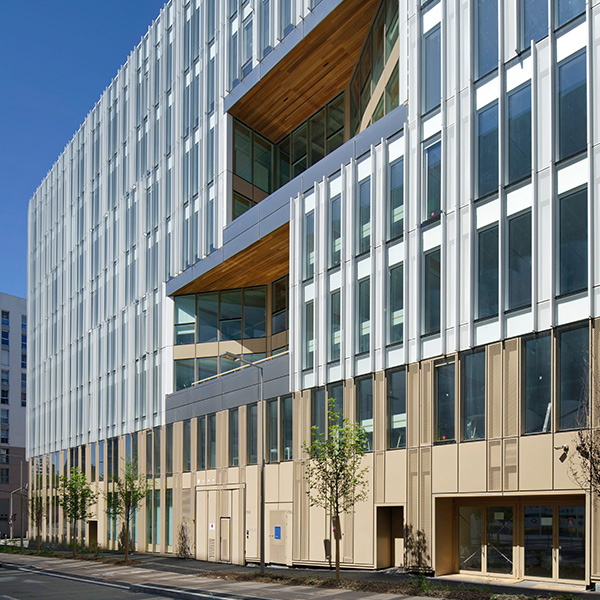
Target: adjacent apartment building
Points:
x,y
391,204
14,469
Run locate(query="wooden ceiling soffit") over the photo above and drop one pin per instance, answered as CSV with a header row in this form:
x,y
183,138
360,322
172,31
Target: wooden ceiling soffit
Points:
x,y
310,74
261,263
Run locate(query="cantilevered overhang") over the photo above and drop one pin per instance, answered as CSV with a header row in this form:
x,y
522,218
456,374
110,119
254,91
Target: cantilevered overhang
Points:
x,y
256,245
261,263
305,70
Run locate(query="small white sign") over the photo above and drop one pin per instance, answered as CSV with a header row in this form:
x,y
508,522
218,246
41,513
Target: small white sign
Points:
x,y
211,526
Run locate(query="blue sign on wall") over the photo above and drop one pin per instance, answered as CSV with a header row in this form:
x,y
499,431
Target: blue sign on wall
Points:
x,y
277,533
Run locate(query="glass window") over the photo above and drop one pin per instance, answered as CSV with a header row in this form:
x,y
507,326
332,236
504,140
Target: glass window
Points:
x,y
272,431
335,331
230,322
534,21
396,395
573,348
364,408
363,329
283,161
169,516
241,204
519,261
335,231
212,441
396,206
252,433
519,134
279,318
392,91
207,314
537,382
169,449
433,179
335,392
363,221
487,36
265,18
100,460
573,252
309,335
572,107
206,367
473,396
156,450
242,151
432,293
487,267
432,69
184,319
318,410
567,10
187,445
444,403
396,309
286,17
299,144
487,150
378,44
286,428
255,313
309,244
184,373
92,463
263,163
335,123
234,439
201,444
316,125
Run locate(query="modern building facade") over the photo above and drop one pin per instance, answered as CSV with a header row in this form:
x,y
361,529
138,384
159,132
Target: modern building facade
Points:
x,y
14,469
384,203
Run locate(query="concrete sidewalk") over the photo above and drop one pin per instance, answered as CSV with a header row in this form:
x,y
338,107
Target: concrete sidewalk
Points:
x,y
177,585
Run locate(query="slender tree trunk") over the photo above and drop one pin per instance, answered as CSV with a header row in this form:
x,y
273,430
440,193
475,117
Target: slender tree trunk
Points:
x,y
337,532
73,539
126,539
38,535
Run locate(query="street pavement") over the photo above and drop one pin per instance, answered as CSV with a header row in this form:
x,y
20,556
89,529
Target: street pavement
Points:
x,y
24,585
161,576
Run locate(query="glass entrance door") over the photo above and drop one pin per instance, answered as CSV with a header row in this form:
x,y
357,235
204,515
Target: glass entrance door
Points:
x,y
571,542
500,539
538,540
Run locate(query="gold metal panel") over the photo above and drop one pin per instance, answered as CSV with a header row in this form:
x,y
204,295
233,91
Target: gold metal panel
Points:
x,y
512,386
495,465
493,390
511,455
412,405
426,402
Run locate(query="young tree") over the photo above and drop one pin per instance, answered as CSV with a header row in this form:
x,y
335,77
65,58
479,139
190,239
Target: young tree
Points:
x,y
76,498
37,512
336,481
128,492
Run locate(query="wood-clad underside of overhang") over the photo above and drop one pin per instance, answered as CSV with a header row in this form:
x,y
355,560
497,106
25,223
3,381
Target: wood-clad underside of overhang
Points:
x,y
310,75
261,263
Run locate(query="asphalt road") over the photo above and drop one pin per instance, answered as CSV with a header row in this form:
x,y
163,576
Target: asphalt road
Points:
x,y
23,585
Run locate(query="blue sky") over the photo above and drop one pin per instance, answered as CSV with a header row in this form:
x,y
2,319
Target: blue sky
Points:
x,y
56,59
